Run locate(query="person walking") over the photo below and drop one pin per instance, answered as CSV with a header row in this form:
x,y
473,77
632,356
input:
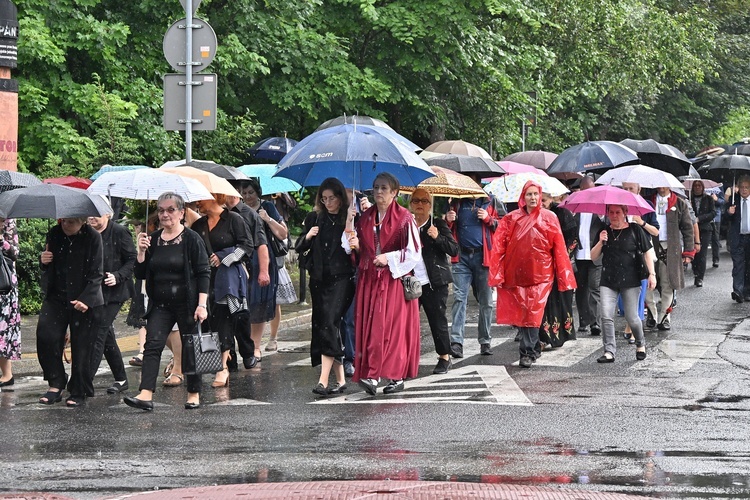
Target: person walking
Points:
x,y
174,262
717,194
528,256
331,281
738,239
438,246
387,248
10,311
626,250
705,211
119,259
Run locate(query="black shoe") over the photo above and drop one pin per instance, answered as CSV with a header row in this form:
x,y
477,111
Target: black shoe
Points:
x,y
320,389
650,321
117,387
348,369
526,362
518,336
8,382
192,406
249,363
698,283
442,366
630,338
605,359
737,298
583,329
716,264
664,325
485,350
457,350
138,403
337,388
595,331
51,397
640,355
232,365
393,387
369,387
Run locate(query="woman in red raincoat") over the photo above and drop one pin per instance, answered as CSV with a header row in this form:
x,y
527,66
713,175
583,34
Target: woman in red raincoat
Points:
x,y
528,252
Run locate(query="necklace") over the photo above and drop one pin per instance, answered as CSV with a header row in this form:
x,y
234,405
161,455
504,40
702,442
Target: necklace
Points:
x,y
619,233
379,218
332,219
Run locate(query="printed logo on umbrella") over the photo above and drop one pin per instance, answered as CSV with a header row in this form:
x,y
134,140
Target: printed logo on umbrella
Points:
x,y
320,155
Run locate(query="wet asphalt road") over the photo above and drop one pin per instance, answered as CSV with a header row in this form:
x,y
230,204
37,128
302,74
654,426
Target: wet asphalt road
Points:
x,y
672,426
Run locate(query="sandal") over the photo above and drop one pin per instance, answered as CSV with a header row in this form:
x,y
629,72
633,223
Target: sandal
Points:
x,y
272,345
75,401
136,360
51,397
168,381
170,366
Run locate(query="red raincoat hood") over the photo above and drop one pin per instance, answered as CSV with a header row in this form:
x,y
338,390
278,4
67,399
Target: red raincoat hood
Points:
x,y
522,199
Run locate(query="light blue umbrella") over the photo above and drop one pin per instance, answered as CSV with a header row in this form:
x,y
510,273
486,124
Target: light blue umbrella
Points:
x,y
354,154
116,168
268,183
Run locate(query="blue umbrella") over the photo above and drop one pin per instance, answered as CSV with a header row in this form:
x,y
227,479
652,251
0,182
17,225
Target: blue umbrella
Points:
x,y
355,154
272,148
591,156
115,168
268,183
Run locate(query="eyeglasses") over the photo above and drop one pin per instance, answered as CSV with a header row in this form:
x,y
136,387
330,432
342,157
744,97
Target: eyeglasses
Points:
x,y
169,210
417,201
328,199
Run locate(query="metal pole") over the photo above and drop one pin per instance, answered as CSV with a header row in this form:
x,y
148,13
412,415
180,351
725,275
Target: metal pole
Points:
x,y
523,135
189,82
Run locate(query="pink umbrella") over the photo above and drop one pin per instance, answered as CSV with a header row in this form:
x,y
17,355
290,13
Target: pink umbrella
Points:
x,y
513,167
707,183
596,200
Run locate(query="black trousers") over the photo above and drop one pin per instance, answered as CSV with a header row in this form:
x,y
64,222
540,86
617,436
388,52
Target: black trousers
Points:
x,y
158,327
699,262
588,276
105,342
55,318
434,300
715,243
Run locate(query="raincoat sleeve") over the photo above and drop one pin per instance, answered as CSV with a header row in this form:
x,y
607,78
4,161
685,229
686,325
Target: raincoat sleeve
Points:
x,y
563,269
500,239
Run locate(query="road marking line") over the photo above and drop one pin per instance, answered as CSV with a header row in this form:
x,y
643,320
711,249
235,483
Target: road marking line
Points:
x,y
676,355
572,352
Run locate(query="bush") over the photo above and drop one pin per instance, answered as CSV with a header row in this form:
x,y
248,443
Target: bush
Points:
x,y
31,237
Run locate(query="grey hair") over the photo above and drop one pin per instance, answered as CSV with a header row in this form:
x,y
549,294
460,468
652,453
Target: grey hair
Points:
x,y
169,195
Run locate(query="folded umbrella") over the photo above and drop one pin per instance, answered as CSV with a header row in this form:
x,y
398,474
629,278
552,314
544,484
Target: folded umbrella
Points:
x,y
596,200
51,201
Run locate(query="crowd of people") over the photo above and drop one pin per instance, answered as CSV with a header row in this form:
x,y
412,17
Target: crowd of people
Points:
x,y
219,263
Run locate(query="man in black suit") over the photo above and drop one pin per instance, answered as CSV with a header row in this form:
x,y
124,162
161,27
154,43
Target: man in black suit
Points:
x,y
738,213
588,272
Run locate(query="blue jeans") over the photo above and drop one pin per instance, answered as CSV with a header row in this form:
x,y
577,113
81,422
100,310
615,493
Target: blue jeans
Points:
x,y
469,271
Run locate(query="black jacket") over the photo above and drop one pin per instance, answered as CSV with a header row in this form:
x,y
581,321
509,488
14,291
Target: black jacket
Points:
x,y
704,212
119,259
338,263
85,264
436,252
197,270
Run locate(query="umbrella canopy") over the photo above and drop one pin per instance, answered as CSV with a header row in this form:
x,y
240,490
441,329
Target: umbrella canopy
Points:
x,y
727,168
513,167
508,188
355,155
268,183
707,183
466,164
51,201
596,200
10,179
115,168
69,181
450,184
351,120
591,156
647,177
456,148
223,171
539,159
148,184
660,156
272,148
740,148
213,183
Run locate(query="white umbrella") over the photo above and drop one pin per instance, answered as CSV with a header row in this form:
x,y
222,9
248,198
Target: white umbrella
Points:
x,y
148,184
647,177
508,188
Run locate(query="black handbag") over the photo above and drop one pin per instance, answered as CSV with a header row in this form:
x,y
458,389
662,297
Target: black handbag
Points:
x,y
278,247
201,353
6,275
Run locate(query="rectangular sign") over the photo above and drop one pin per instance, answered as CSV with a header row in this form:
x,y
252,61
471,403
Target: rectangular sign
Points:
x,y
9,131
204,101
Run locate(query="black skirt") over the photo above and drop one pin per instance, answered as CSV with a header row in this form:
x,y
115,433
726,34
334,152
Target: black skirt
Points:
x,y
331,297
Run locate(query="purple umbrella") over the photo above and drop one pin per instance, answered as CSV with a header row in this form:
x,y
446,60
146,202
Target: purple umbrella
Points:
x,y
596,200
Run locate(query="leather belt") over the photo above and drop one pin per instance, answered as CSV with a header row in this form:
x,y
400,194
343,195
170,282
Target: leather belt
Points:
x,y
470,251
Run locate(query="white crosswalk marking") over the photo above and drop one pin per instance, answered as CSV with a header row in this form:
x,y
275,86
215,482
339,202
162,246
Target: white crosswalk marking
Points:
x,y
677,355
239,402
572,352
466,385
471,348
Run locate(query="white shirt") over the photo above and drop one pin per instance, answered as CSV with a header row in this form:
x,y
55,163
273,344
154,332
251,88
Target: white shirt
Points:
x,y
584,253
662,203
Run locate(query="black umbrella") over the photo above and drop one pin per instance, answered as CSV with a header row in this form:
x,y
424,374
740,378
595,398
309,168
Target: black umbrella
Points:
x,y
467,165
727,168
352,120
13,180
51,201
740,148
660,156
223,171
272,148
591,157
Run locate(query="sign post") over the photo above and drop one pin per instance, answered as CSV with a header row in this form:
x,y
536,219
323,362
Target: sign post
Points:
x,y
8,86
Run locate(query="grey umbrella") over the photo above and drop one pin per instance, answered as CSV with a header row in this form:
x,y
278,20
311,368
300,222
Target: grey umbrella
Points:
x,y
51,201
223,171
467,165
13,180
351,120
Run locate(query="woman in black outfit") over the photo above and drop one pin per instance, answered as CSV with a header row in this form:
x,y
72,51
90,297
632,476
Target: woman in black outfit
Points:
x,y
438,244
174,263
331,280
228,242
72,287
705,211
